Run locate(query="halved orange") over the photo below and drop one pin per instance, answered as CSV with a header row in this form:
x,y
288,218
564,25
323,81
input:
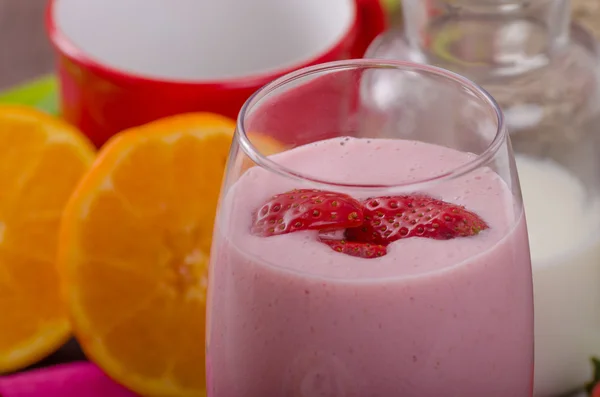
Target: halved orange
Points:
x,y
41,161
134,248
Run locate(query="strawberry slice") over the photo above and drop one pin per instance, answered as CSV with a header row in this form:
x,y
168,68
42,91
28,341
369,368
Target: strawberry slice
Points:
x,y
593,387
361,250
391,218
306,209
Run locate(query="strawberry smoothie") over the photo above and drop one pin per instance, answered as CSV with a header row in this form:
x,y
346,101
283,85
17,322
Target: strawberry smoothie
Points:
x,y
290,316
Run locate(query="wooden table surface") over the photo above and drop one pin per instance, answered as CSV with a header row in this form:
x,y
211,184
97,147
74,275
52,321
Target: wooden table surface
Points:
x,y
25,52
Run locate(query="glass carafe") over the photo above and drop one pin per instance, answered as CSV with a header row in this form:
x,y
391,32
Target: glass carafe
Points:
x,y
587,13
543,71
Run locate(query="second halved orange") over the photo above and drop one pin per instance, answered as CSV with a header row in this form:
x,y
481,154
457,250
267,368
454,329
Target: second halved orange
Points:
x,y
134,251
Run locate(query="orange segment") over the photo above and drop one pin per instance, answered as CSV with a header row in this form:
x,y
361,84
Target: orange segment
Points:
x,y
134,249
41,161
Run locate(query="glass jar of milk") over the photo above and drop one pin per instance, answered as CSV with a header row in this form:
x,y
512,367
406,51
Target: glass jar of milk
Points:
x,y
544,72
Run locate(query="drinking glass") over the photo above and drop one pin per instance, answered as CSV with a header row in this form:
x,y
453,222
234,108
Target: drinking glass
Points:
x,y
370,251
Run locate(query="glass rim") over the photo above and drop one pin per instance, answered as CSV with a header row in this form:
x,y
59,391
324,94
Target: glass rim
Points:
x,y
480,160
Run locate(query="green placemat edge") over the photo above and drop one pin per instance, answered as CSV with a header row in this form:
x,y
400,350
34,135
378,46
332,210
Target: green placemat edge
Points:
x,y
41,93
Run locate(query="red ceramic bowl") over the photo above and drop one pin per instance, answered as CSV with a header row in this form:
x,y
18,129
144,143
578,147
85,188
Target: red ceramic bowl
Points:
x,y
123,63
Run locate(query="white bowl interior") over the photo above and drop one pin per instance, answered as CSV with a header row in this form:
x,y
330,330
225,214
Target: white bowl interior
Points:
x,y
203,39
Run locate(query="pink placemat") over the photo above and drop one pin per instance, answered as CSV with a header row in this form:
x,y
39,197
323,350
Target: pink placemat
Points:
x,y
66,380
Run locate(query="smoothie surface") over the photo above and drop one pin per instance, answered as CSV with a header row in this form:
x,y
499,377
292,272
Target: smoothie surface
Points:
x,y
371,161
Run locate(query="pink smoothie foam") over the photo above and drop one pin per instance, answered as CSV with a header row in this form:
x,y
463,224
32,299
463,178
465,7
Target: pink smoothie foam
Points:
x,y
290,317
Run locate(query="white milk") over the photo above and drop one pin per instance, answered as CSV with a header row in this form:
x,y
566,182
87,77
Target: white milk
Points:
x,y
565,248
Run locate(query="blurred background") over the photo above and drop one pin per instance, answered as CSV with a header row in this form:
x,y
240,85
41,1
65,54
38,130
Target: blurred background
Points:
x,y
24,48
26,53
